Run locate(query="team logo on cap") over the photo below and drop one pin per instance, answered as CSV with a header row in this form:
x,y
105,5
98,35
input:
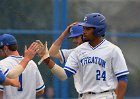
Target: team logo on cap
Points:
x,y
71,30
85,19
1,43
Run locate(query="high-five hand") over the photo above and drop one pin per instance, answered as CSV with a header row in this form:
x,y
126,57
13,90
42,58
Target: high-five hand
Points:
x,y
43,51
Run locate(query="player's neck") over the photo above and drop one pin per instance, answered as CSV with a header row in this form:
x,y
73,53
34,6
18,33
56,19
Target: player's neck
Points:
x,y
13,53
95,42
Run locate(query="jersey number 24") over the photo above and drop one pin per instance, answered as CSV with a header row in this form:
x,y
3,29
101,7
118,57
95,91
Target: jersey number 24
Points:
x,y
100,75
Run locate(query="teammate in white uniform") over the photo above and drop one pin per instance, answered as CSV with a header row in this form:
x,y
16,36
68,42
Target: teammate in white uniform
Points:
x,y
101,64
15,72
76,32
30,80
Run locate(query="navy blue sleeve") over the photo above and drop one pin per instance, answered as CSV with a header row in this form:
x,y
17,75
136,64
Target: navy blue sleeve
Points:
x,y
2,77
68,73
123,77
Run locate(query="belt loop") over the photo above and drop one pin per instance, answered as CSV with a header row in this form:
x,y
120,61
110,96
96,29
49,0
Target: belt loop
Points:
x,y
81,95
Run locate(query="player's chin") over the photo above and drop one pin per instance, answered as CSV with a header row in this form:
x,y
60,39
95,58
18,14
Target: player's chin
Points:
x,y
75,43
85,39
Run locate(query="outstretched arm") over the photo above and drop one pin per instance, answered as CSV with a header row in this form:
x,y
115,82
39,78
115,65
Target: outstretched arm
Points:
x,y
54,49
56,69
6,81
28,55
12,82
45,57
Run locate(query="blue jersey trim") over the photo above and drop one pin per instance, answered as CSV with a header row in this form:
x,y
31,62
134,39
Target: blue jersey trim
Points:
x,y
70,69
68,73
40,88
63,56
16,56
1,88
123,78
97,45
124,72
2,77
6,72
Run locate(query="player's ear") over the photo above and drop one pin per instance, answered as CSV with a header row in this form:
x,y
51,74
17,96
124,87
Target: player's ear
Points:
x,y
5,48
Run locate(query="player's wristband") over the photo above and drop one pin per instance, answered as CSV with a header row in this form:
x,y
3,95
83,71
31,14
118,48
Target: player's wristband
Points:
x,y
47,60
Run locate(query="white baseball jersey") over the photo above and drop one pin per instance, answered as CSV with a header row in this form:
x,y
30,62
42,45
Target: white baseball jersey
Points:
x,y
64,53
64,56
30,80
98,66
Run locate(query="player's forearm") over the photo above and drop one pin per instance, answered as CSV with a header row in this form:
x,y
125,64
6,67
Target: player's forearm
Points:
x,y
116,91
54,49
1,94
56,69
24,62
17,70
121,89
39,93
7,82
12,82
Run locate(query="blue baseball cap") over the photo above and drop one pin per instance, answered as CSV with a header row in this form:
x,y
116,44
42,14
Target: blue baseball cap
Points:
x,y
76,30
93,20
7,39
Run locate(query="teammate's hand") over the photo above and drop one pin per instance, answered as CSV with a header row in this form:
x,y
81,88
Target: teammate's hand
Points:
x,y
15,83
43,51
67,30
31,51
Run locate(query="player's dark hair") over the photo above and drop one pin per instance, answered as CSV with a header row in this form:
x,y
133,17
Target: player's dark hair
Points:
x,y
1,47
13,47
103,35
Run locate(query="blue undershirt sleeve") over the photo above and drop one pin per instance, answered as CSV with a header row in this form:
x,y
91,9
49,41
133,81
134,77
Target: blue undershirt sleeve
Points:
x,y
123,77
68,73
2,77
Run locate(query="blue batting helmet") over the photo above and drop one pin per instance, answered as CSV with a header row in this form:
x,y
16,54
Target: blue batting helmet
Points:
x,y
76,30
97,21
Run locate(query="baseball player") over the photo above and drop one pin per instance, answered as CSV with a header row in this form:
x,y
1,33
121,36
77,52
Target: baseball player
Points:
x,y
76,35
31,83
100,63
15,72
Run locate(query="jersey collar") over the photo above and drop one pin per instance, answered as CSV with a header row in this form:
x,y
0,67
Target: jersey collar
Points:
x,y
16,56
97,45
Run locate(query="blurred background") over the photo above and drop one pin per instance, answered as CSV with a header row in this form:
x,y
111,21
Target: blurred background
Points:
x,y
29,20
